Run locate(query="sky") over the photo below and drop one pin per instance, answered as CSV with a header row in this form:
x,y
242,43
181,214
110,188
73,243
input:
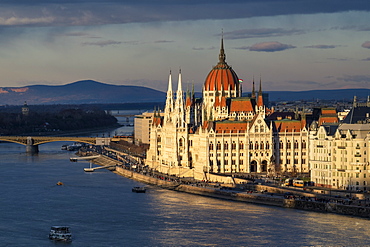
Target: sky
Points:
x,y
290,45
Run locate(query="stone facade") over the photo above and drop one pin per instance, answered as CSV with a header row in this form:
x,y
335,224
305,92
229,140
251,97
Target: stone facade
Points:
x,y
224,133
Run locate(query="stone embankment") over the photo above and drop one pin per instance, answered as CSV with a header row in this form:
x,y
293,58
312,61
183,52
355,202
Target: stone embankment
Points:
x,y
267,195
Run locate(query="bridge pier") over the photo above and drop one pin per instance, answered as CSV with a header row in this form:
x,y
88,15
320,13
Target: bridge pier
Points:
x,y
31,147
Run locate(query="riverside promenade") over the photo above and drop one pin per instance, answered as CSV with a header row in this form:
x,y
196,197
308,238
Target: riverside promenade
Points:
x,y
248,193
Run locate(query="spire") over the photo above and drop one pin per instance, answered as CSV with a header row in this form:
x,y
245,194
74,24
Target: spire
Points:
x,y
222,56
260,89
192,92
253,91
179,104
169,98
260,98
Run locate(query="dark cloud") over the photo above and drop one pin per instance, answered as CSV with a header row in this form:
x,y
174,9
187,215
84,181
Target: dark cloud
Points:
x,y
270,46
355,78
366,45
322,46
242,48
100,12
103,43
366,59
164,41
261,33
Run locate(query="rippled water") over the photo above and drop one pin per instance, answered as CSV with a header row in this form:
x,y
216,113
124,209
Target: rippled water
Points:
x,y
102,211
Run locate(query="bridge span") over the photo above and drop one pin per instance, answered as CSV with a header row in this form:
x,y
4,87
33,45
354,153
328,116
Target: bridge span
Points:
x,y
32,142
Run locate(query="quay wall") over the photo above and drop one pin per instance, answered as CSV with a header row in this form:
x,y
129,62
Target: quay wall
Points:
x,y
269,198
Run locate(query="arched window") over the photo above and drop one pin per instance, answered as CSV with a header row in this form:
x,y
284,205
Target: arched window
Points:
x,y
211,146
181,142
256,129
241,145
256,145
251,145
288,145
261,145
262,129
303,144
218,146
226,146
158,138
233,145
296,144
281,145
267,145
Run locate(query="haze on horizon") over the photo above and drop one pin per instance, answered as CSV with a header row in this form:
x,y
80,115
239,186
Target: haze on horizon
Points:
x,y
291,45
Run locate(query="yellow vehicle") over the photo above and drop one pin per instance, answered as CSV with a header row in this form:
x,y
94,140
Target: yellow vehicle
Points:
x,y
298,183
288,182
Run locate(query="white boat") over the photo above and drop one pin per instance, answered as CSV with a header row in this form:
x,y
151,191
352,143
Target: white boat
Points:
x,y
60,233
91,169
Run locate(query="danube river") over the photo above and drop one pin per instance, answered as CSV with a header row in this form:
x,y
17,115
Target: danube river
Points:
x,y
102,211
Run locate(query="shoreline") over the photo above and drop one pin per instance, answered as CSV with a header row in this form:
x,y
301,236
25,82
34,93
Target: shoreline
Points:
x,y
269,197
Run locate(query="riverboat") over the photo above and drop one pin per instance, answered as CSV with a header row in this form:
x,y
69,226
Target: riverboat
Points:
x,y
139,189
60,233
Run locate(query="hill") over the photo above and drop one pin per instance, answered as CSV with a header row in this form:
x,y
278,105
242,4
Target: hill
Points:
x,y
312,95
80,92
93,92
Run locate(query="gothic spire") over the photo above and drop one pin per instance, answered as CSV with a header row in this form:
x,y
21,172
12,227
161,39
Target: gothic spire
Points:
x,y
222,56
169,99
260,89
253,90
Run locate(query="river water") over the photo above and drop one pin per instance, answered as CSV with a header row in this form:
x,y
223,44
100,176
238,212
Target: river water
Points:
x,y
102,211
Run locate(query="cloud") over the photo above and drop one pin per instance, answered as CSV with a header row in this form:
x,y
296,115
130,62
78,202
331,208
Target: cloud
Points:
x,y
103,43
322,46
366,45
164,41
101,12
270,46
16,21
261,33
75,34
242,48
355,78
339,59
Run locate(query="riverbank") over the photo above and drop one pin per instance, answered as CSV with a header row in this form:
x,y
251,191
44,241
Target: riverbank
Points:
x,y
251,193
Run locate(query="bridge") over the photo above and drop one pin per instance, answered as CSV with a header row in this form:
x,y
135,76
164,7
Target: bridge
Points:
x,y
32,142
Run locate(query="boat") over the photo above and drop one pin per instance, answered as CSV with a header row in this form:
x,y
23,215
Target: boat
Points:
x,y
60,183
90,169
139,189
60,233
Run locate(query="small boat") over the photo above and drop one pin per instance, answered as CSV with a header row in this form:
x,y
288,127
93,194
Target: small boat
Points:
x,y
60,233
91,169
139,189
60,183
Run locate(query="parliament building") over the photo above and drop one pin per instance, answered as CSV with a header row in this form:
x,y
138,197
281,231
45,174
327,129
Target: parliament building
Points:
x,y
225,133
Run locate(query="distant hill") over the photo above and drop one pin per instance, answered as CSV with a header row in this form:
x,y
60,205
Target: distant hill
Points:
x,y
337,94
93,92
80,92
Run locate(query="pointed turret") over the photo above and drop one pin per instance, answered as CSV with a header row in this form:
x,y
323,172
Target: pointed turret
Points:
x,y
169,100
179,104
222,55
253,90
260,97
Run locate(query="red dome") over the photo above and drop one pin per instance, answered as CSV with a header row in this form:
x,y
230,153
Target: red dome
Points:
x,y
222,76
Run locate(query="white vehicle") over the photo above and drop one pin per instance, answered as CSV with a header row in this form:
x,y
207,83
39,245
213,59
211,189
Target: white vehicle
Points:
x,y
60,233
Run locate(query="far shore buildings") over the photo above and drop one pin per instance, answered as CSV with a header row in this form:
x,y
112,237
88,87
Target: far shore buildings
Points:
x,y
225,134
